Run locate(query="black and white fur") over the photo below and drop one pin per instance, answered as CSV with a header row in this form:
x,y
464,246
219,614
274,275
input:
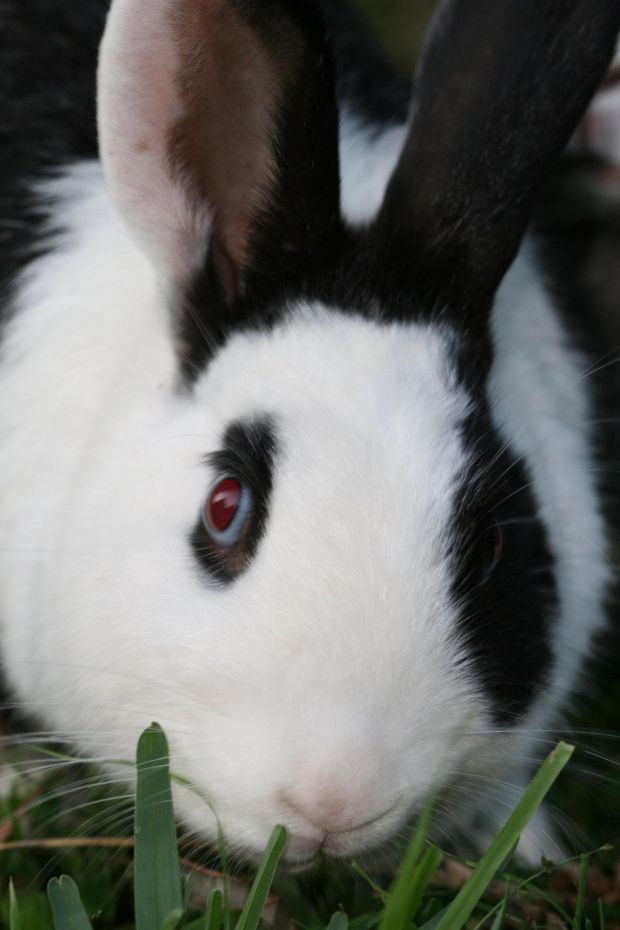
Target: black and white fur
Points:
x,y
383,368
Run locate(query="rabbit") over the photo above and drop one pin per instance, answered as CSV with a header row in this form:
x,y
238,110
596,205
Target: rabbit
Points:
x,y
296,450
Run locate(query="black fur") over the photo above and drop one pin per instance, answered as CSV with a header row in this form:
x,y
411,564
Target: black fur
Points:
x,y
497,97
48,56
507,618
297,227
247,454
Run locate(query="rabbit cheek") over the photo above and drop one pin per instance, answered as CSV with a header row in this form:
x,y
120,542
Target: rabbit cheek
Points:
x,y
506,610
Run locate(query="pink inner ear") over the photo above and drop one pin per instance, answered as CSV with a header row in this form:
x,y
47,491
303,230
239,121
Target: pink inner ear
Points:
x,y
138,104
221,145
187,91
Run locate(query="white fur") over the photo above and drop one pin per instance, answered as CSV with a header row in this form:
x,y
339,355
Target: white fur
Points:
x,y
339,701
539,392
138,105
369,158
279,694
326,688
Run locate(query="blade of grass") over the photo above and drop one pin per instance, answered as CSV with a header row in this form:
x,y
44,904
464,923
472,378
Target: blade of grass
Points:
x,y
509,857
14,918
67,907
157,878
526,884
434,922
500,920
379,891
175,920
430,910
427,867
403,893
250,915
213,918
365,922
338,921
496,854
581,892
601,914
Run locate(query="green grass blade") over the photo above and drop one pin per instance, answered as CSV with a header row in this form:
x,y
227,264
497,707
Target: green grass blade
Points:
x,y
363,922
67,908
157,879
496,854
175,920
250,915
500,919
601,914
403,893
430,910
14,918
213,919
338,921
434,922
424,872
581,892
378,890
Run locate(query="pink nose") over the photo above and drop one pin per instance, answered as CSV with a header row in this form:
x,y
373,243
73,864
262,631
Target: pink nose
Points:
x,y
337,799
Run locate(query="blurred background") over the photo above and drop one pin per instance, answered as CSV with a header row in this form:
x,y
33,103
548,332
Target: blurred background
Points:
x,y
401,25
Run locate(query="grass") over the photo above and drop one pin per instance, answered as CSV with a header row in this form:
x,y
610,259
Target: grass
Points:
x,y
144,887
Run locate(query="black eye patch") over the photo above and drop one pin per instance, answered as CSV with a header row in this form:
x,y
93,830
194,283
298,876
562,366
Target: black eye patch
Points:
x,y
246,458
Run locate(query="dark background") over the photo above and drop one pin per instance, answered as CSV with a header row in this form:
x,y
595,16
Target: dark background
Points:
x,y
401,24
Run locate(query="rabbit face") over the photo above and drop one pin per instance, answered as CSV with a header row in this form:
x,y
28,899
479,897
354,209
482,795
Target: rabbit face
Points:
x,y
328,630
373,594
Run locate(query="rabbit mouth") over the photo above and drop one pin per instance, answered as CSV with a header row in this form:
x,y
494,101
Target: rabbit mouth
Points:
x,y
302,849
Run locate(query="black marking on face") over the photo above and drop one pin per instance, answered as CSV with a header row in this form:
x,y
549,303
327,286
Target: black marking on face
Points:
x,y
506,616
247,455
361,275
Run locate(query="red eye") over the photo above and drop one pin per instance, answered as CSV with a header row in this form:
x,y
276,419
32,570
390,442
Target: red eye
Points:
x,y
223,503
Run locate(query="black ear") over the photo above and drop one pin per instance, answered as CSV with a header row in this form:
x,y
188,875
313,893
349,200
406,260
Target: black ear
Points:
x,y
219,131
500,88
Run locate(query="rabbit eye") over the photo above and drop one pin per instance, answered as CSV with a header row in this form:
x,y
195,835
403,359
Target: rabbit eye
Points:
x,y
225,511
493,547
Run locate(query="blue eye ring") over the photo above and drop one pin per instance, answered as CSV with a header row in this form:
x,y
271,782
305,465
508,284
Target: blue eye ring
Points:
x,y
225,511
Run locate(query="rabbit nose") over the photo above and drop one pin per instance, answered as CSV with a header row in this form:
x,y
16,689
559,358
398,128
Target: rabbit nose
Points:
x,y
333,814
325,808
339,798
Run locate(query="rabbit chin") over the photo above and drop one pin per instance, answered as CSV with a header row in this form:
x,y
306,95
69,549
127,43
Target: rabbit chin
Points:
x,y
341,805
246,835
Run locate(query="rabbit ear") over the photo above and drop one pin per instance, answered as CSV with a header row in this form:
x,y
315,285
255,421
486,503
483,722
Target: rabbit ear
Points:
x,y
218,124
501,86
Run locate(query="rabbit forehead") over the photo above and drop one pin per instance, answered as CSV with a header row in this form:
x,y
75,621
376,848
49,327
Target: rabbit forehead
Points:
x,y
367,419
338,363
369,453
369,456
